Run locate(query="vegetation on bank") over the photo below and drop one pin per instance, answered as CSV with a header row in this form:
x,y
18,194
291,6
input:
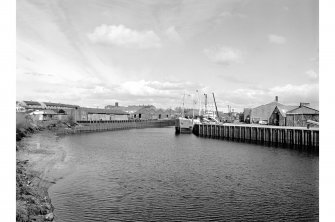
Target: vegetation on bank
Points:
x,y
32,202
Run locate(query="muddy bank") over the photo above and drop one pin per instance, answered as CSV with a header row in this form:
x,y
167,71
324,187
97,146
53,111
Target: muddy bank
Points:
x,y
36,155
32,201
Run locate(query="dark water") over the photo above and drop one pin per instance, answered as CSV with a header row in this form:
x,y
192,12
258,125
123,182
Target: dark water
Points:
x,y
155,175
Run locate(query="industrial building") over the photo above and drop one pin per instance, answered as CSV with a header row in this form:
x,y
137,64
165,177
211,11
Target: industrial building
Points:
x,y
300,115
151,113
277,114
95,114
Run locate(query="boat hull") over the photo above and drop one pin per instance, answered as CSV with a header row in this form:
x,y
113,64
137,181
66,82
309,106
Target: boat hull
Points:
x,y
184,125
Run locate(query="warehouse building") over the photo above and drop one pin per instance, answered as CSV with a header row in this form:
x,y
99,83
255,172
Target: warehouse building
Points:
x,y
300,115
277,114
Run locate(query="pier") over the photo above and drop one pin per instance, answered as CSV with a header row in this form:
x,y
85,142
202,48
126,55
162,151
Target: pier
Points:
x,y
110,125
298,137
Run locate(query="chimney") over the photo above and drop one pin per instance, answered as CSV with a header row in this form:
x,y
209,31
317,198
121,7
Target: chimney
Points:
x,y
276,98
116,104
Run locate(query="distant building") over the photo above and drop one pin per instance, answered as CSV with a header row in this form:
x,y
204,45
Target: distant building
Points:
x,y
229,117
129,109
111,106
58,106
275,113
151,113
300,115
34,105
278,116
42,115
30,105
246,115
94,114
133,109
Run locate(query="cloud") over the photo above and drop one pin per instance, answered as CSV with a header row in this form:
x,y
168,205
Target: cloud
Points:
x,y
250,97
297,93
234,79
229,14
155,88
312,74
159,93
276,39
224,55
37,74
172,34
122,36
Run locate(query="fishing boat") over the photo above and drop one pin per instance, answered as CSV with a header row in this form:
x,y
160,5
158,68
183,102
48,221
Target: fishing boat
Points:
x,y
209,116
185,124
182,124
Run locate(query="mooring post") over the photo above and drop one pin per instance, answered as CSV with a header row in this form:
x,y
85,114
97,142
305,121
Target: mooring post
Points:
x,y
277,135
232,132
253,133
250,133
239,133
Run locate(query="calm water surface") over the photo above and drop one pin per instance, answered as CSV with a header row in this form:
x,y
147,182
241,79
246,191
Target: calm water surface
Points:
x,y
154,175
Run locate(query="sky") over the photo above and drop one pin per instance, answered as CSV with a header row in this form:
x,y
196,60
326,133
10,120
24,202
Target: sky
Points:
x,y
97,52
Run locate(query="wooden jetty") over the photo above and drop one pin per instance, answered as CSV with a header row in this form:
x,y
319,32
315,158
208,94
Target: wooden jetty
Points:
x,y
263,134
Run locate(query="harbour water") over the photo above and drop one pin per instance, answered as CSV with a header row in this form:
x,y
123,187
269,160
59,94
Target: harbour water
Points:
x,y
154,175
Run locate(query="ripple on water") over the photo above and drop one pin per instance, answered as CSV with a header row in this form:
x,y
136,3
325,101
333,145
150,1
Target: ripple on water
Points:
x,y
153,175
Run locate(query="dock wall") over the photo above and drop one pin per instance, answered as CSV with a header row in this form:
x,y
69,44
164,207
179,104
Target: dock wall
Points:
x,y
97,126
270,135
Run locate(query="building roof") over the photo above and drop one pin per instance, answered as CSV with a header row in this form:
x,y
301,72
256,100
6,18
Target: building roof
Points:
x,y
104,111
32,103
264,112
303,110
60,105
151,110
283,109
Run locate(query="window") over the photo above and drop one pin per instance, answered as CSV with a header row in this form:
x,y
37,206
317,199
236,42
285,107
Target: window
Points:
x,y
139,116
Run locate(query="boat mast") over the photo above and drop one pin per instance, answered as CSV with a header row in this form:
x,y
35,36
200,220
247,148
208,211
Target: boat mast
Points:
x,y
205,103
199,100
193,103
217,112
183,110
